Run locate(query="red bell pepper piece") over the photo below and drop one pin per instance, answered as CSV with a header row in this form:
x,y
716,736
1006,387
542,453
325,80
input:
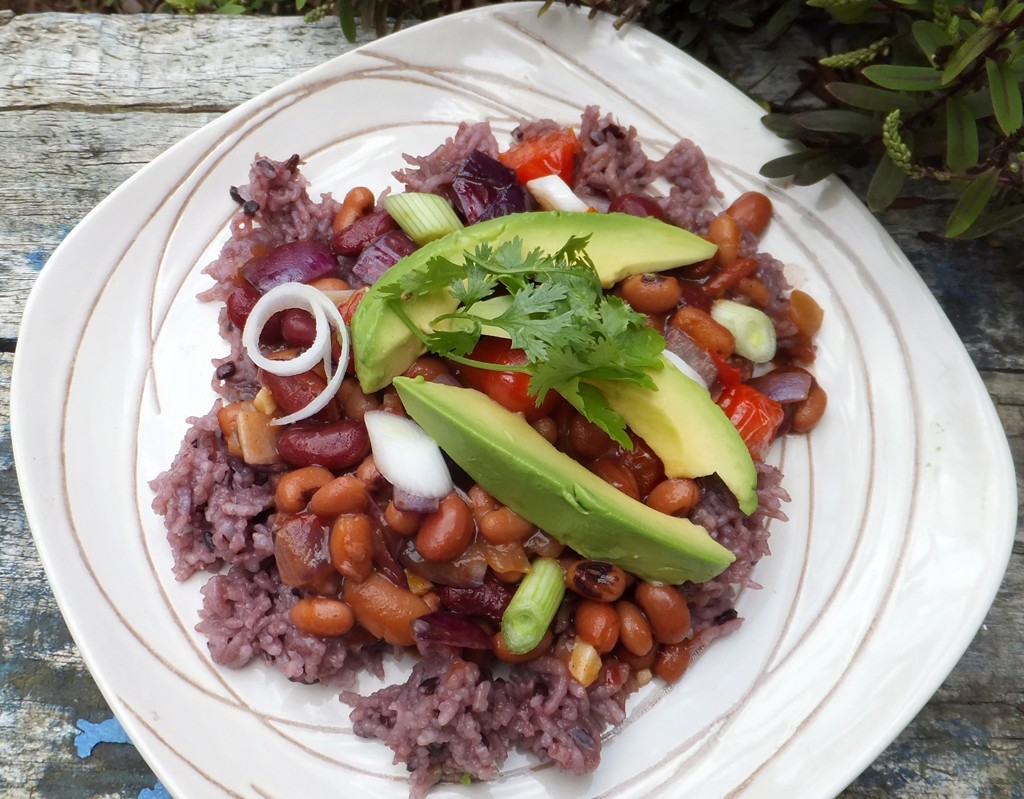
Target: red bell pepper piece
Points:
x,y
551,153
755,416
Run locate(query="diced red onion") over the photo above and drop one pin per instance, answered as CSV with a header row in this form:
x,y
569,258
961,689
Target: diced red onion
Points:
x,y
451,629
408,458
693,354
784,385
294,262
403,500
469,568
381,255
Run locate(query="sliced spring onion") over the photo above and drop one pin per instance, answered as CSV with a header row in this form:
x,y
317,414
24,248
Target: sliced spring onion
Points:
x,y
326,316
751,327
424,217
533,606
685,368
408,458
554,194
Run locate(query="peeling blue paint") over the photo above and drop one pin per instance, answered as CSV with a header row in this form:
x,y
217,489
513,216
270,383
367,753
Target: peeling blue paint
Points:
x,y
39,256
158,791
106,732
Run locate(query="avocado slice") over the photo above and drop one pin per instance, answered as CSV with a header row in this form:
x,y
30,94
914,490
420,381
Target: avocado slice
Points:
x,y
512,461
686,429
620,245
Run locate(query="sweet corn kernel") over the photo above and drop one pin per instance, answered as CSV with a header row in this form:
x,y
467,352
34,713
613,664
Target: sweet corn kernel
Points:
x,y
584,662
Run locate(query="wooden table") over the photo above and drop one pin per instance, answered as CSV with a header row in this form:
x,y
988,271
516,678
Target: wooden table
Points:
x,y
87,100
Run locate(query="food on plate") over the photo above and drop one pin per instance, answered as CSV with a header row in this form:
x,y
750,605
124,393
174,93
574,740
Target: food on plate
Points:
x,y
510,423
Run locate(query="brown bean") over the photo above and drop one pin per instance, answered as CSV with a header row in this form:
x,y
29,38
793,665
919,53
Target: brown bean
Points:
x,y
358,201
480,502
703,329
727,234
616,474
753,210
502,652
637,663
322,616
505,526
666,610
651,293
805,312
351,545
301,553
345,494
755,290
587,439
403,522
809,412
354,403
673,660
729,276
337,445
596,579
369,475
445,533
295,488
676,496
634,629
644,463
331,284
597,623
384,609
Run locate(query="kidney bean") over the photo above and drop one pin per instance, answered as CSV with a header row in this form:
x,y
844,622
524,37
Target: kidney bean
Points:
x,y
617,475
295,392
353,239
337,445
753,210
634,629
597,623
239,305
596,579
303,559
384,609
488,599
445,533
637,205
666,610
651,294
298,328
322,616
351,545
693,294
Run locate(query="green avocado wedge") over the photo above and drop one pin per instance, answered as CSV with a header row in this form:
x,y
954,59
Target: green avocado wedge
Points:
x,y
516,465
620,245
688,431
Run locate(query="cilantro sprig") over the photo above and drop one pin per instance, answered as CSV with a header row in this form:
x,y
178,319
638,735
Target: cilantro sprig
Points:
x,y
571,331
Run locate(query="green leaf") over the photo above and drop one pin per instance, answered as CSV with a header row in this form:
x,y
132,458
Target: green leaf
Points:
x,y
901,78
781,125
734,17
820,167
347,17
972,202
787,165
961,135
930,37
784,16
968,52
886,184
870,98
838,121
1006,100
992,219
1011,12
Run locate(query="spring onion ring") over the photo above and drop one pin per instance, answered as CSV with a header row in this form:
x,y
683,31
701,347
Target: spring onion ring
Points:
x,y
326,316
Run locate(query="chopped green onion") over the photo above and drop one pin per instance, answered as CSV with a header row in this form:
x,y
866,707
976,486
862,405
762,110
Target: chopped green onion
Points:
x,y
533,606
751,327
424,217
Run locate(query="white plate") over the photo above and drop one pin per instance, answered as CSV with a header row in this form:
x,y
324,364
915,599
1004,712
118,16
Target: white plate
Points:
x,y
903,499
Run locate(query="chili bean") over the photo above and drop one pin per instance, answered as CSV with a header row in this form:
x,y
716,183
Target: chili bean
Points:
x,y
322,616
445,533
480,502
502,653
504,525
727,234
616,474
384,609
634,629
354,403
596,579
673,660
809,412
295,488
294,392
666,610
597,623
351,545
345,494
753,210
729,276
703,329
805,312
338,445
675,496
587,439
651,293
403,522
357,203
